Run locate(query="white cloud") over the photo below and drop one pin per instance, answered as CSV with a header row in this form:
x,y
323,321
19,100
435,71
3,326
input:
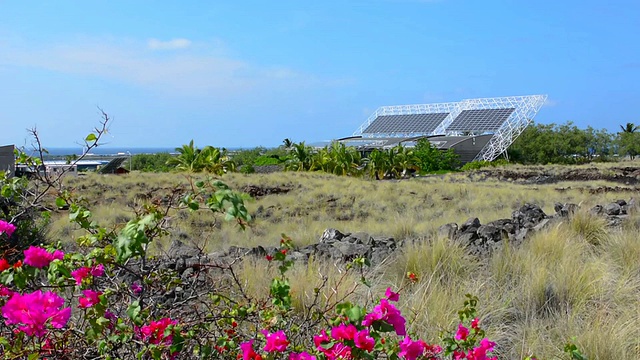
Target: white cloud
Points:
x,y
204,71
173,44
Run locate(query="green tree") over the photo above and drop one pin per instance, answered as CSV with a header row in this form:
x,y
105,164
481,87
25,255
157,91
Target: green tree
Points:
x,y
629,144
629,128
151,162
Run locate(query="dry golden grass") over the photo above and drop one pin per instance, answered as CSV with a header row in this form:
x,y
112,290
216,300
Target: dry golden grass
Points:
x,y
577,279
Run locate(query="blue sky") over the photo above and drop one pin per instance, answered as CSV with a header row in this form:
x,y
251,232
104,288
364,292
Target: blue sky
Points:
x,y
249,73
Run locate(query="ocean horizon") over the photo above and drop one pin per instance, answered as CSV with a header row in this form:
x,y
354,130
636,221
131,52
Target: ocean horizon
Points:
x,y
113,151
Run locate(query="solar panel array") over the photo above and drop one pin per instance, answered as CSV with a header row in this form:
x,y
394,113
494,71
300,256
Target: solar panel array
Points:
x,y
405,124
480,120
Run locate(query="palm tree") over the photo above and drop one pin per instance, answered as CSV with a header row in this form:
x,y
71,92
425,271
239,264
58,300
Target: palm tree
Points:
x,y
209,159
629,128
187,158
346,159
301,157
377,164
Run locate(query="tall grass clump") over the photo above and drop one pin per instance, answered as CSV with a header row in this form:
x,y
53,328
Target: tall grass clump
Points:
x,y
589,227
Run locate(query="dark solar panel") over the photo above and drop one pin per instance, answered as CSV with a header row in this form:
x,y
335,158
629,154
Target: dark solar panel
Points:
x,y
413,123
113,165
480,120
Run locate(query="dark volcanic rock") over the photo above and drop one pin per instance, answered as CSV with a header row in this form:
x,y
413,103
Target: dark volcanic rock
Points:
x,y
528,216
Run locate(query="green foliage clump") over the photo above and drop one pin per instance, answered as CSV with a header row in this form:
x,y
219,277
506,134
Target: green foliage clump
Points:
x,y
561,144
151,162
475,165
208,159
431,159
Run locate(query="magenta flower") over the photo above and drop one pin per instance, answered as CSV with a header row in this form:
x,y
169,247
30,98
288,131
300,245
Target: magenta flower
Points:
x,y
90,298
474,324
32,312
462,333
344,332
154,332
480,352
364,341
410,349
97,270
247,351
276,341
392,296
80,274
136,288
389,313
318,340
7,228
301,356
39,257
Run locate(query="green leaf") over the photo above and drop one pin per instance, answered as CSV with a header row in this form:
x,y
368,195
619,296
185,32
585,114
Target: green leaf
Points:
x,y
60,202
91,137
355,314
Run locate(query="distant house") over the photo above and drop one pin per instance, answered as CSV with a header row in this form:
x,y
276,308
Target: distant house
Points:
x,y
7,159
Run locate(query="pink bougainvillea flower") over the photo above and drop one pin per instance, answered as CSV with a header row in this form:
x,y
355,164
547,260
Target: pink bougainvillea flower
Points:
x,y
136,288
5,291
301,356
480,352
364,341
474,324
247,351
97,270
389,313
39,257
57,255
32,312
90,298
319,340
7,228
462,333
276,341
392,296
410,349
154,332
80,274
339,351
344,332
4,265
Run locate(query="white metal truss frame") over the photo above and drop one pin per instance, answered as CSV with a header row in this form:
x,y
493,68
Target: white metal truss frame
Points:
x,y
526,107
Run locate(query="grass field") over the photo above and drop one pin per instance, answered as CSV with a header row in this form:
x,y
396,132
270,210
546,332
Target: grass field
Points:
x,y
576,280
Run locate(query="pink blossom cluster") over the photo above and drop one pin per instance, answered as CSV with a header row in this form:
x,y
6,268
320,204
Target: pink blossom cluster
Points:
x,y
39,257
347,338
7,228
477,353
154,332
90,298
83,272
32,312
388,313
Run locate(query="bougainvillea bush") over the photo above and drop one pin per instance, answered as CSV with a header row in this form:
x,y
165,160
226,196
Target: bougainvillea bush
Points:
x,y
80,305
